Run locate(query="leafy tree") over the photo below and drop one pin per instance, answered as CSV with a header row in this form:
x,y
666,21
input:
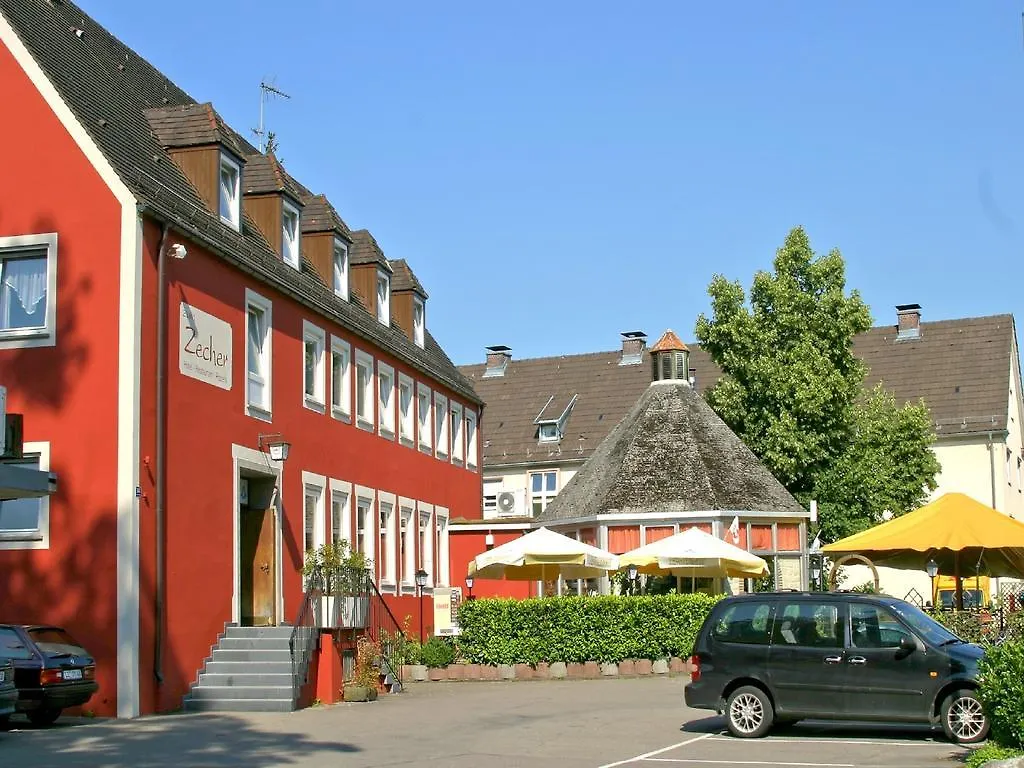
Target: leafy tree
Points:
x,y
792,389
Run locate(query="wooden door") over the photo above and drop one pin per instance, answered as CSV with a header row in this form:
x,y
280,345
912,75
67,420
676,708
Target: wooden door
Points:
x,y
258,566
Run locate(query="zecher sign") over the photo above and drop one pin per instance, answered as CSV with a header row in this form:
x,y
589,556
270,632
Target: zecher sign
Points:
x,y
204,347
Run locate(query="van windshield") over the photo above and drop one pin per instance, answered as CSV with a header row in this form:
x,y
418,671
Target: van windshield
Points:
x,y
923,624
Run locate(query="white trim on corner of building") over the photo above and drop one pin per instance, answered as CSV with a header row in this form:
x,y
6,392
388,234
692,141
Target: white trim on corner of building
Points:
x,y
483,526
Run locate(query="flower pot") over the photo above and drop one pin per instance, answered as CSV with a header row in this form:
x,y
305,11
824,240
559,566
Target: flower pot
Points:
x,y
542,671
644,666
418,672
524,672
591,670
610,670
488,672
438,673
360,693
506,672
456,672
472,671
558,670
676,665
627,667
343,612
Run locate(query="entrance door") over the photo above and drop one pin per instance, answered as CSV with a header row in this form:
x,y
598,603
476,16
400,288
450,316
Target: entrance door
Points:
x,y
258,566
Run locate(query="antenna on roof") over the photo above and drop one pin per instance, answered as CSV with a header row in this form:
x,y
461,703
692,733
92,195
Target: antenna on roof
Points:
x,y
266,90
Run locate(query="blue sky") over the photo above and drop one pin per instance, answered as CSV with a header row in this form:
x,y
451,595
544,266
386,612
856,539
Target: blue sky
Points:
x,y
556,173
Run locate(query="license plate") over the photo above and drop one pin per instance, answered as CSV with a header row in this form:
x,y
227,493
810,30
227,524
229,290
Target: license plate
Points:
x,y
3,675
72,674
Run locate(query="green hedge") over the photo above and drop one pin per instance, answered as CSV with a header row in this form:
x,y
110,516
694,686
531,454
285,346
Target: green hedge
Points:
x,y
606,628
1001,690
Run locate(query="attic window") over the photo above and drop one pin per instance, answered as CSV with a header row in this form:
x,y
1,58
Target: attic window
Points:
x,y
340,269
383,297
548,433
418,322
230,183
290,233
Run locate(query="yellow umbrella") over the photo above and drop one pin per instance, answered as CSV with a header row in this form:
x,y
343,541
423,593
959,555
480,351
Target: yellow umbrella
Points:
x,y
542,555
695,553
961,535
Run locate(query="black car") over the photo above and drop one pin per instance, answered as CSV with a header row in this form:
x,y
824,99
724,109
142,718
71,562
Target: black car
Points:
x,y
51,670
779,657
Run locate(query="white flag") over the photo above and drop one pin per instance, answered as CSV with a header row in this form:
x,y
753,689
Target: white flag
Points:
x,y
734,529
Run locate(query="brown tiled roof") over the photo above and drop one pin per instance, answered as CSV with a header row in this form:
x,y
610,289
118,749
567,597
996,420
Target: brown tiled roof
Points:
x,y
670,342
960,367
404,279
669,454
365,250
263,174
192,125
318,215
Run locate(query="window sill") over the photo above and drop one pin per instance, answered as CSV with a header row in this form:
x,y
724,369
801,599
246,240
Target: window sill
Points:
x,y
340,415
407,442
364,424
408,589
387,434
23,540
457,462
258,413
313,404
25,339
442,456
471,467
388,588
426,449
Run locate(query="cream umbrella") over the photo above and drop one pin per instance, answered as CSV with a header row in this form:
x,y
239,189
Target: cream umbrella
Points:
x,y
695,553
542,555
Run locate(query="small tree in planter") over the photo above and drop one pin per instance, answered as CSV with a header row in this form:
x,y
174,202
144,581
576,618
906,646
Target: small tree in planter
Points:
x,y
340,574
367,672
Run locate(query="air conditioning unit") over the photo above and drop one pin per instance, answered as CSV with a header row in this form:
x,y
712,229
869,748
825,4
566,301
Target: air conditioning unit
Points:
x,y
511,504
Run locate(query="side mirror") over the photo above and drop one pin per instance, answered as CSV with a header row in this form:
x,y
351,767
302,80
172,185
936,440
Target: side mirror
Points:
x,y
907,644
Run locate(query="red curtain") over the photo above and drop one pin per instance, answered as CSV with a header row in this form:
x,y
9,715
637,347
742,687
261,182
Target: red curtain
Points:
x,y
760,537
742,544
589,536
623,538
789,538
658,532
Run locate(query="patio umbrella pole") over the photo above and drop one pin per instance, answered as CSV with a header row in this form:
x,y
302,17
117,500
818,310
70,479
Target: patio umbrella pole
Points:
x,y
959,581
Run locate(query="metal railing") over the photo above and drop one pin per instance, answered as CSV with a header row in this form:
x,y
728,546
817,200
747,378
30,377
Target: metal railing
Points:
x,y
385,630
303,640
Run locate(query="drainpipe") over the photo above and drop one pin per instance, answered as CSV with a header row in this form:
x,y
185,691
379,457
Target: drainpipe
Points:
x,y
992,468
161,412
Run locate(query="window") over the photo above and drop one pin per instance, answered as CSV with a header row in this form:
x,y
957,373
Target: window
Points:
x,y
25,523
341,379
406,420
872,626
441,545
471,447
388,550
440,426
1020,480
258,354
419,322
426,431
386,400
543,488
426,542
1009,458
230,183
408,543
814,624
340,269
383,297
744,622
341,512
364,541
313,340
548,433
313,511
456,427
28,291
290,233
12,647
364,390
492,487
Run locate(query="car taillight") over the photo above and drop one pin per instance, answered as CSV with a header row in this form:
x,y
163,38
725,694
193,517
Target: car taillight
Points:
x,y
694,668
49,676
90,672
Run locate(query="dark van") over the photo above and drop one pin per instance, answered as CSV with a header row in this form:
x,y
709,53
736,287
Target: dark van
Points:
x,y
779,657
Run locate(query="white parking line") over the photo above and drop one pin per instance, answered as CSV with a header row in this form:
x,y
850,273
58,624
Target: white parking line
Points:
x,y
798,740
647,755
748,762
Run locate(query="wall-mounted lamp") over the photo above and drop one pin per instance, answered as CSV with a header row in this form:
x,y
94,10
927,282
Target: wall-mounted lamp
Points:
x,y
469,586
277,445
489,539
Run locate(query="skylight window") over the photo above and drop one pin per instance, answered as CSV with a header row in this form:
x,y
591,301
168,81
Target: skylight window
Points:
x,y
230,184
290,234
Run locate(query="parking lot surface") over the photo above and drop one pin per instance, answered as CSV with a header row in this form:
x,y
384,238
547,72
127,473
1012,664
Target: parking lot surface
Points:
x,y
639,723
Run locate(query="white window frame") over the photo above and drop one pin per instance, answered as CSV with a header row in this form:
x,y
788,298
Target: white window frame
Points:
x,y
407,512
341,492
233,216
443,552
425,541
369,393
419,329
311,333
383,308
290,242
441,426
341,408
39,538
388,502
425,430
407,417
543,496
492,486
455,432
471,439
369,543
386,411
339,266
264,305
314,485
44,336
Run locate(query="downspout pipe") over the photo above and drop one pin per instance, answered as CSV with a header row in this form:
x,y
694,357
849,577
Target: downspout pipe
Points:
x,y
161,417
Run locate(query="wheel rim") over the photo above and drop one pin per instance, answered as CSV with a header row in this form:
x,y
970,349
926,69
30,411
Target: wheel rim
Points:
x,y
966,718
746,713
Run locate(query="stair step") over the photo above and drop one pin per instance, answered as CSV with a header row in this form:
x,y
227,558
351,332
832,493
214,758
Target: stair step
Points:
x,y
279,632
241,692
254,644
251,655
221,667
246,676
238,705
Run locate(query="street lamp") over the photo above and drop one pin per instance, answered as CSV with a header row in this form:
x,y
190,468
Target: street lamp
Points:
x,y
933,570
279,447
816,572
632,574
469,586
421,582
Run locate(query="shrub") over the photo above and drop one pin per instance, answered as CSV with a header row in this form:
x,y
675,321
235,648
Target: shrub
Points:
x,y
980,756
966,625
1001,690
605,628
367,669
437,652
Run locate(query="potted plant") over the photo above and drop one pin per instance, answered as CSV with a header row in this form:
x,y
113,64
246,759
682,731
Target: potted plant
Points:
x,y
341,577
367,672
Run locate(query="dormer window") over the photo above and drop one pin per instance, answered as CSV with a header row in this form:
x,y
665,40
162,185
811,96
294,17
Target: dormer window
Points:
x,y
340,269
290,233
419,322
230,197
383,297
548,433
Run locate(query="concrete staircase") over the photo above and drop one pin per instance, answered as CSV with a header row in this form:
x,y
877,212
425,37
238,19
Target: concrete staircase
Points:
x,y
249,670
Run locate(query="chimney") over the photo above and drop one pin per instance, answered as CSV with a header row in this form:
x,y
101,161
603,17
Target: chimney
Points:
x,y
908,321
633,345
498,357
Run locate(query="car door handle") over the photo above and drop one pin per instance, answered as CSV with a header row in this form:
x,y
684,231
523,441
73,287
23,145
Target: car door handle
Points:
x,y
833,659
858,660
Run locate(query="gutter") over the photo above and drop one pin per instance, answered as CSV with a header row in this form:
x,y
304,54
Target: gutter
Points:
x,y
161,457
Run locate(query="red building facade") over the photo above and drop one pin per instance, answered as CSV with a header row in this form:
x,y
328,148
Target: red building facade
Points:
x,y
279,325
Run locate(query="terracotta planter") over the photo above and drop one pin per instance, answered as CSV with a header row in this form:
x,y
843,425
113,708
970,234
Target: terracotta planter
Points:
x,y
627,667
488,672
591,670
456,672
438,673
644,666
676,665
406,673
472,671
542,671
524,672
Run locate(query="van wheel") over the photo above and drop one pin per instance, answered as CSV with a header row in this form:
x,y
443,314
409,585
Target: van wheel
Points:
x,y
963,719
43,717
749,713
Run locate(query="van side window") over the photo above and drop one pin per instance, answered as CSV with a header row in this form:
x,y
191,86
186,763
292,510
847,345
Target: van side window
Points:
x,y
744,622
872,626
810,624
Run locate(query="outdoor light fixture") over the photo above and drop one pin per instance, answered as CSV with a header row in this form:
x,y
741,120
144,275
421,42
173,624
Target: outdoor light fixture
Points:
x,y
469,586
421,582
278,446
932,568
632,573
